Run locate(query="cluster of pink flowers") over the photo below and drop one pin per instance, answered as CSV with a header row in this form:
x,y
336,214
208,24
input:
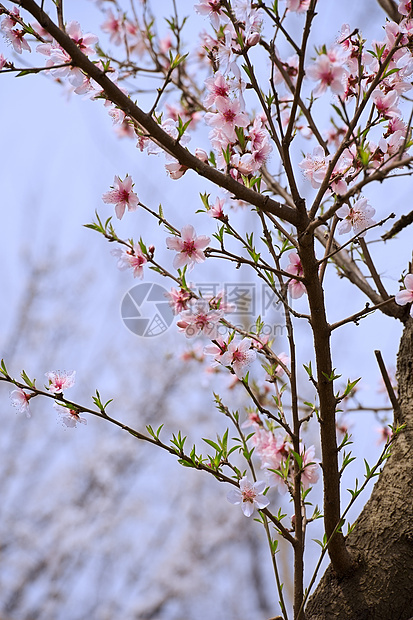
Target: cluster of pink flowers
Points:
x,y
199,319
199,316
58,382
246,144
14,32
274,450
348,69
58,56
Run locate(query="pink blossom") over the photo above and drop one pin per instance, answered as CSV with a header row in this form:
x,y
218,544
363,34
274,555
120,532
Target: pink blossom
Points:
x,y
272,456
83,41
16,38
202,155
239,356
125,129
330,74
178,300
262,439
114,27
405,7
260,344
20,400
315,166
342,167
60,380
188,246
295,287
220,142
386,104
253,420
396,124
217,209
357,216
175,170
130,259
136,261
59,56
122,196
10,21
385,434
217,350
117,115
310,472
228,116
405,296
10,28
392,146
200,319
70,417
298,6
218,86
249,495
258,134
212,8
3,61
136,42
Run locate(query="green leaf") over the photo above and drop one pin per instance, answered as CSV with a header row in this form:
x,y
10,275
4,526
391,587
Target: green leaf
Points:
x,y
26,379
212,444
308,369
3,368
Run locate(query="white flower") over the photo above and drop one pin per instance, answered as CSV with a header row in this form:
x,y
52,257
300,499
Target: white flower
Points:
x,y
357,216
249,495
70,417
20,400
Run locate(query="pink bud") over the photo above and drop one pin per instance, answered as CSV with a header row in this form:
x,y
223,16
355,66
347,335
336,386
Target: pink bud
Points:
x,y
253,39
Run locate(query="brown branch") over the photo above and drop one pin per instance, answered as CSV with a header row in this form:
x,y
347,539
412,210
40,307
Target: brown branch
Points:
x,y
373,271
350,270
403,222
393,398
59,9
360,314
338,552
391,9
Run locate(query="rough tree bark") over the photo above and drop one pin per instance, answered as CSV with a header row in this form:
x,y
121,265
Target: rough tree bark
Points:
x,y
381,585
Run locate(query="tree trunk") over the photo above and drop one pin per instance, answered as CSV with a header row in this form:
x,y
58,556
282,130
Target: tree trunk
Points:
x,y
381,585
